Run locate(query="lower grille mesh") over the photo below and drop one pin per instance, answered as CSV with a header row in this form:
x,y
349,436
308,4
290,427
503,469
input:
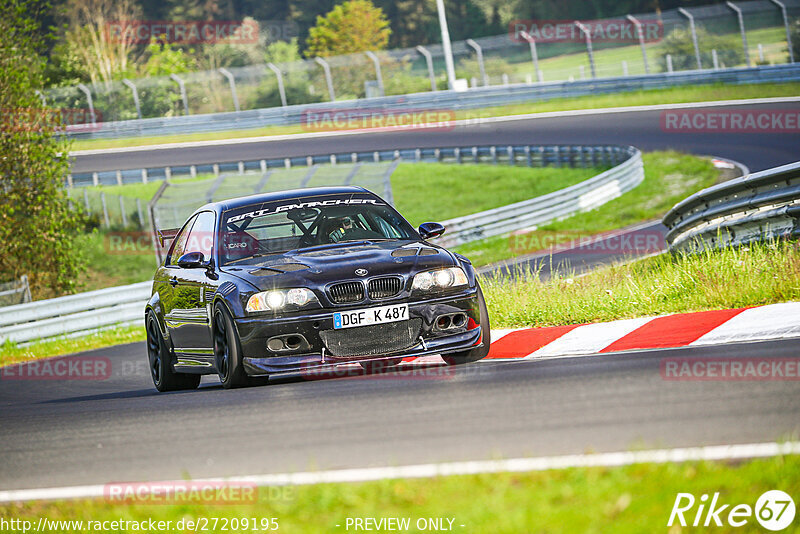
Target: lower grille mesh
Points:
x,y
375,340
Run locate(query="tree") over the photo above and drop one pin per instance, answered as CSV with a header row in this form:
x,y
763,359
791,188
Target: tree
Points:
x,y
354,26
38,229
680,46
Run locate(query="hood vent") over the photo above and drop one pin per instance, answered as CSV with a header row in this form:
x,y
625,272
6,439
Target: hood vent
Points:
x,y
406,252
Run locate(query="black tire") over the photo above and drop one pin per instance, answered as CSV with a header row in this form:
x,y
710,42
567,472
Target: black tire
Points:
x,y
159,358
478,353
378,366
228,350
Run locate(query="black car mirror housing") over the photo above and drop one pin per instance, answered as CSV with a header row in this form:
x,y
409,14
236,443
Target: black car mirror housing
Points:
x,y
192,260
429,230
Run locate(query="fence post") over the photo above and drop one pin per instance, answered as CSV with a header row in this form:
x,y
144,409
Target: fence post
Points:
x,y
139,211
44,104
534,54
475,46
624,68
182,88
429,60
377,63
86,199
588,35
232,82
740,17
694,35
715,59
328,78
24,281
640,34
122,211
135,92
782,7
89,100
279,75
669,63
105,210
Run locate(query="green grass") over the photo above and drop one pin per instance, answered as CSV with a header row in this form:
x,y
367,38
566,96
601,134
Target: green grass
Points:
x,y
630,499
419,189
730,278
12,353
109,267
671,95
669,178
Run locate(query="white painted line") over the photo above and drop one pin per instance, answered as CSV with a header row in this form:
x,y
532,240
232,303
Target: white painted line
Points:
x,y
775,321
515,465
590,338
461,122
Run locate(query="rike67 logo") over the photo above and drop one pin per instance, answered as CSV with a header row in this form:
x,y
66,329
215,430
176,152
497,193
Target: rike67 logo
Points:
x,y
774,510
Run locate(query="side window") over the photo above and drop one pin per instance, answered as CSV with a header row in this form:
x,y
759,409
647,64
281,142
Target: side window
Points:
x,y
179,244
201,238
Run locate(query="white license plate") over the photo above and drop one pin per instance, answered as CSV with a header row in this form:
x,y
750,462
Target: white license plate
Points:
x,y
370,316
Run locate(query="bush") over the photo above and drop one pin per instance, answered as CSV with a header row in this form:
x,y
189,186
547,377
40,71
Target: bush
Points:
x,y
38,229
679,45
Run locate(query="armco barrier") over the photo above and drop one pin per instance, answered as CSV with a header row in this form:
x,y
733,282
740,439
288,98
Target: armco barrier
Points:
x,y
475,98
584,196
761,206
74,313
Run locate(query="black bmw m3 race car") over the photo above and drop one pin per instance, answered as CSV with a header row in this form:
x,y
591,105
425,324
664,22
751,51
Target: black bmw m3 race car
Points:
x,y
285,282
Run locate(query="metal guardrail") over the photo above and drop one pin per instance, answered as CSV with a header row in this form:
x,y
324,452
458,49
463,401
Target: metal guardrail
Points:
x,y
73,314
584,196
761,206
478,97
16,292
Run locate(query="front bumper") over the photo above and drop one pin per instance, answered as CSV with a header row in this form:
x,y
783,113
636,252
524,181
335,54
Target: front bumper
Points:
x,y
254,333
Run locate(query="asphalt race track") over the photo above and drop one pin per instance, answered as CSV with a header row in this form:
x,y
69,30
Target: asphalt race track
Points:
x,y
60,433
641,129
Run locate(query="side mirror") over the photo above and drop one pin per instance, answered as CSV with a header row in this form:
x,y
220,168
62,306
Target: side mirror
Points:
x,y
191,260
429,230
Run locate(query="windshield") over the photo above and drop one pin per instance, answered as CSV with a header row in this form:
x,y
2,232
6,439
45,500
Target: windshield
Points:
x,y
272,228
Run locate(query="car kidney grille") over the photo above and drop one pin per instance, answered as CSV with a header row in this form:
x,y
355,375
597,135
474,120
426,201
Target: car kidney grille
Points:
x,y
384,288
346,292
375,340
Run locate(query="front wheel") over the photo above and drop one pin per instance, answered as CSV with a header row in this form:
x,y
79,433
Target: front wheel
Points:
x,y
228,350
159,358
477,353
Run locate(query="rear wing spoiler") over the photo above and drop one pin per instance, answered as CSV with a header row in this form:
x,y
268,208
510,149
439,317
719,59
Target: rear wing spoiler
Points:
x,y
167,235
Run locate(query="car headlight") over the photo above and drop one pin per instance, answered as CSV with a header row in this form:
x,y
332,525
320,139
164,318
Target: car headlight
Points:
x,y
279,298
440,279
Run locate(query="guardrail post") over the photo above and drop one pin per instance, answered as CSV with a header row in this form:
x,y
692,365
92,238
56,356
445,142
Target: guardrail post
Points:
x,y
182,87
478,50
457,152
475,156
135,93
493,154
193,171
287,163
69,181
557,155
232,82
786,25
105,210
119,177
241,167
534,54
215,167
417,154
528,155
95,179
378,75
144,176
89,101
328,78
740,18
510,151
279,75
588,36
429,60
640,35
694,36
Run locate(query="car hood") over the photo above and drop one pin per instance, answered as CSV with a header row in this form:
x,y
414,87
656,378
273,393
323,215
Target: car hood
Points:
x,y
319,266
